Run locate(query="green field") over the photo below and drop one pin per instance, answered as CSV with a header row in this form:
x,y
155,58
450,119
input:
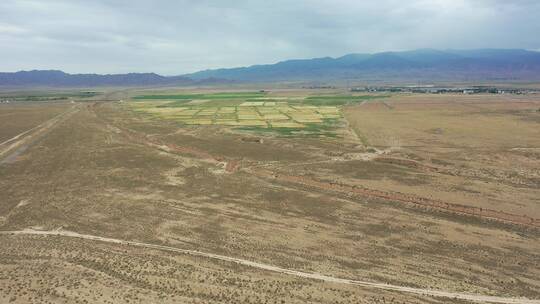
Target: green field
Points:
x,y
49,96
267,116
252,111
232,95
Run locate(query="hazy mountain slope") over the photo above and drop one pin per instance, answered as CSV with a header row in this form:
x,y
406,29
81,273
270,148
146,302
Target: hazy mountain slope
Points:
x,y
424,64
481,64
61,79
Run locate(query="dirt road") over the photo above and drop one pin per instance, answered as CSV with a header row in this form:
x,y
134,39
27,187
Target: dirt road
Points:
x,y
13,147
314,276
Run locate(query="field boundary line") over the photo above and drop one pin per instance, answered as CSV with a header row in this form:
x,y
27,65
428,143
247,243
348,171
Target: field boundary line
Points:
x,y
301,274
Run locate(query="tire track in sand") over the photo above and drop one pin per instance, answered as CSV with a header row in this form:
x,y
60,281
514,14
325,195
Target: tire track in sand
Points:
x,y
19,143
301,274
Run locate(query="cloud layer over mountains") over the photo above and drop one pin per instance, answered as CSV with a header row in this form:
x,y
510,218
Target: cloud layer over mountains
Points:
x,y
179,36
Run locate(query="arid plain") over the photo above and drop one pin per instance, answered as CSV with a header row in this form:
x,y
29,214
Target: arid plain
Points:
x,y
209,196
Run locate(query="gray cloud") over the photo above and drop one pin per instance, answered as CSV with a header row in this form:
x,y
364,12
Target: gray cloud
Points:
x,y
178,36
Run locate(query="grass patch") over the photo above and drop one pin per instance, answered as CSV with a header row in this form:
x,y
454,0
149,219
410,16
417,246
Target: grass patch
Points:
x,y
222,103
174,104
325,129
214,96
152,97
50,96
268,99
235,95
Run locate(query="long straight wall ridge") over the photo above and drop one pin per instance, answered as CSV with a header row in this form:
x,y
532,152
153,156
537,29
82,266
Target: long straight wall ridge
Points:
x,y
522,220
301,274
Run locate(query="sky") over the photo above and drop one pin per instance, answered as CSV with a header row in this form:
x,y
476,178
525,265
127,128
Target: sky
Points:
x,y
173,37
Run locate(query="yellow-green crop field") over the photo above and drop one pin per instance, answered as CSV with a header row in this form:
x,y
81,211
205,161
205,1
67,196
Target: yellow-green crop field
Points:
x,y
247,114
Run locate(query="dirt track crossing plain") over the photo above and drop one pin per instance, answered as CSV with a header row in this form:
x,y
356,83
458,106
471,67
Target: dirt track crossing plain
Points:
x,y
315,276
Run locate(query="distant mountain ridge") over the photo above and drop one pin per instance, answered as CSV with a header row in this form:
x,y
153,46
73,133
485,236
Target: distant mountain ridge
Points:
x,y
424,64
417,65
53,78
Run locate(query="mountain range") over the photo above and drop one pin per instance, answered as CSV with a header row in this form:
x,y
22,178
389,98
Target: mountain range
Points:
x,y
417,65
425,64
53,78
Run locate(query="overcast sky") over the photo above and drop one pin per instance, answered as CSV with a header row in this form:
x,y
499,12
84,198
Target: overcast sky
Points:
x,y
178,36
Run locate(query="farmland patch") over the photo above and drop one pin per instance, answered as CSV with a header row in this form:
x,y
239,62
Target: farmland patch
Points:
x,y
278,117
